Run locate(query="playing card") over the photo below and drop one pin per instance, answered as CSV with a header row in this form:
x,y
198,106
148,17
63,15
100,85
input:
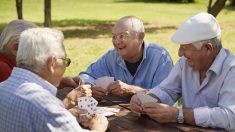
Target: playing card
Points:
x,y
145,98
104,81
87,103
106,111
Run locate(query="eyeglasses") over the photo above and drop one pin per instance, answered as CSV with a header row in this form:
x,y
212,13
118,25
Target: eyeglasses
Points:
x,y
121,37
67,61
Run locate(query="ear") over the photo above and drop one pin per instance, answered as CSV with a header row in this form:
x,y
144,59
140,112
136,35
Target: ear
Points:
x,y
51,63
208,48
14,48
141,36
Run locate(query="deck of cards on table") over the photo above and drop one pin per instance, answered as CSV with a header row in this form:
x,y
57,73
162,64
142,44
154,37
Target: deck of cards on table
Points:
x,y
104,81
145,98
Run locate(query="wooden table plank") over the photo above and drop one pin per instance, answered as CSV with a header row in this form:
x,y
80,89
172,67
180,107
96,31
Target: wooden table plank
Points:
x,y
126,121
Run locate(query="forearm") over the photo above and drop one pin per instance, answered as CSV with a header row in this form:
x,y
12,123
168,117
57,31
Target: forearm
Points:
x,y
215,117
134,89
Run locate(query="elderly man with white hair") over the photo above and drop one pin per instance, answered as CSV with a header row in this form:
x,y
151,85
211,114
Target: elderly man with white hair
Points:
x,y
204,77
27,97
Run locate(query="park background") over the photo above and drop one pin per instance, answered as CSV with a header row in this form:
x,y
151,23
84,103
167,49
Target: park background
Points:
x,y
87,24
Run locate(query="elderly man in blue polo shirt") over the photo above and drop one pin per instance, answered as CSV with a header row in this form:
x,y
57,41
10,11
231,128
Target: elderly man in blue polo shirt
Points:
x,y
204,77
135,64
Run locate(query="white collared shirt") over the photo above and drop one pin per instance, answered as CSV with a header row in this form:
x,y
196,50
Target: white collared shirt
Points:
x,y
213,101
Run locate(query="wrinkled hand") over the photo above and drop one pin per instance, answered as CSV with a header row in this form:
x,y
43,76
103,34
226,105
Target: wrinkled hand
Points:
x,y
98,93
120,88
70,82
78,114
136,105
98,123
70,100
162,113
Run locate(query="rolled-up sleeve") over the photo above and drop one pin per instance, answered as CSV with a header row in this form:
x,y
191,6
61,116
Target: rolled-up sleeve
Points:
x,y
222,116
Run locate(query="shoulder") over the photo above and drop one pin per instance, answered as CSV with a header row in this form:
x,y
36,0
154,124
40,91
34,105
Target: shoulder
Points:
x,y
156,49
5,71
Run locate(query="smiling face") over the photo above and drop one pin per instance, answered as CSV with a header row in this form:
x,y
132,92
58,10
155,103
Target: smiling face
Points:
x,y
196,58
126,41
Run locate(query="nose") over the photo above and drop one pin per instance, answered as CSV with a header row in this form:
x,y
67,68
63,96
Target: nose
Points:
x,y
116,41
180,51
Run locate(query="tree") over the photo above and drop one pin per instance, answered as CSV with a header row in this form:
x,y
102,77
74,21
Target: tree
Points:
x,y
232,2
216,8
19,9
47,13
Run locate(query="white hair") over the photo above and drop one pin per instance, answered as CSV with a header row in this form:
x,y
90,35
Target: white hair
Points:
x,y
135,22
216,42
37,45
13,30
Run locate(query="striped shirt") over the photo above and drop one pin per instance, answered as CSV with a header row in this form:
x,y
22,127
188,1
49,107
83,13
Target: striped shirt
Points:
x,y
28,104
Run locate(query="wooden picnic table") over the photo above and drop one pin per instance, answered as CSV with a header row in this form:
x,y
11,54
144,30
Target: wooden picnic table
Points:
x,y
126,121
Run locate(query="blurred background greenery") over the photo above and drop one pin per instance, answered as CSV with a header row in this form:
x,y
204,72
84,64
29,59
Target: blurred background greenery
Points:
x,y
87,24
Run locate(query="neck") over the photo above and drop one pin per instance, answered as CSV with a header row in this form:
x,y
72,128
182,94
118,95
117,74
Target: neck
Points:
x,y
136,57
208,63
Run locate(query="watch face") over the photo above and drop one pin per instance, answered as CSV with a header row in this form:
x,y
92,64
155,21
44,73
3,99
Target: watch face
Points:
x,y
181,116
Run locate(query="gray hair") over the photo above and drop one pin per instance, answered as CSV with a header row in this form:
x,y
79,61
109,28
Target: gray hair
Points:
x,y
135,22
216,42
37,45
13,30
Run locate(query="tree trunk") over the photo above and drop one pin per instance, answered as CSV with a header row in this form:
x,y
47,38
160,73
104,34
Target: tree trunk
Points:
x,y
233,3
216,8
19,9
47,13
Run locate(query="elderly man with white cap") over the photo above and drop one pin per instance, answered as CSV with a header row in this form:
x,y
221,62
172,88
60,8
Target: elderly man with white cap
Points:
x,y
204,77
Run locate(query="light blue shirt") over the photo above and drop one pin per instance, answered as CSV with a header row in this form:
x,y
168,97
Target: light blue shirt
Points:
x,y
213,101
28,104
154,67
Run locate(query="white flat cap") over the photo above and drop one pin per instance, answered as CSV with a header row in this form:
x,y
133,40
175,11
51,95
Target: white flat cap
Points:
x,y
201,26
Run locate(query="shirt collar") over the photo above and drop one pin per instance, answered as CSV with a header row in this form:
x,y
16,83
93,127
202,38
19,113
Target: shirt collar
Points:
x,y
29,76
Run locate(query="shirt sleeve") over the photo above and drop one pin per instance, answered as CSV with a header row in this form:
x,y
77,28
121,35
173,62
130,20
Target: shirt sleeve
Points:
x,y
222,116
169,90
97,69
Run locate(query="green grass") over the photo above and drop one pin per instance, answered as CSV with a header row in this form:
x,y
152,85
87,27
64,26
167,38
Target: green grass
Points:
x,y
87,24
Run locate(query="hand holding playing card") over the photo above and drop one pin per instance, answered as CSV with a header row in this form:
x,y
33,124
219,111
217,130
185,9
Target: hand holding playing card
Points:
x,y
120,88
104,82
135,105
89,104
145,98
98,93
70,100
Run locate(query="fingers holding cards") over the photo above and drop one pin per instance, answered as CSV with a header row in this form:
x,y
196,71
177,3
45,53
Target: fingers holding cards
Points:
x,y
145,98
104,82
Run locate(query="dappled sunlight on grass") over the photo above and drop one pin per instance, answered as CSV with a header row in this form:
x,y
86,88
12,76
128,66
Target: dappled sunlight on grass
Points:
x,y
87,24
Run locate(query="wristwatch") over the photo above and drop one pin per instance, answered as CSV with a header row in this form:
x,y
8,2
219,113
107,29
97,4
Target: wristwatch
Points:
x,y
180,118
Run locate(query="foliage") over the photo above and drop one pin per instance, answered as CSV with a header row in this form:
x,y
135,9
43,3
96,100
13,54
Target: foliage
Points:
x,y
87,24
